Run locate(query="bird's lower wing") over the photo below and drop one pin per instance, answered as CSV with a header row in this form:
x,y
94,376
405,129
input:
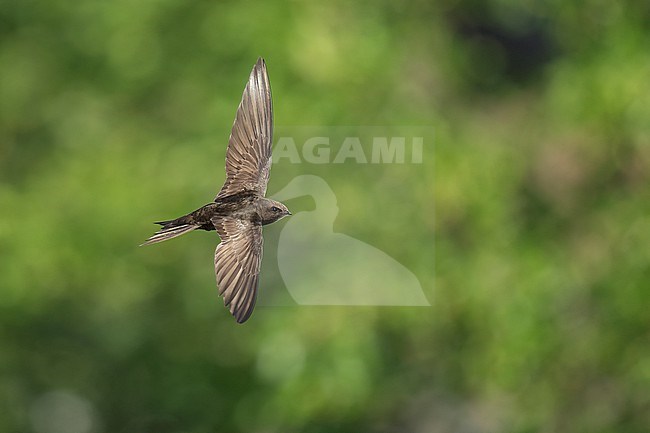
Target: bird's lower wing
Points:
x,y
237,262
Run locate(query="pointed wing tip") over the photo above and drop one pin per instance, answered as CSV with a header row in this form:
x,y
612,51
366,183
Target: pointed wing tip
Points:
x,y
242,320
242,315
260,64
243,311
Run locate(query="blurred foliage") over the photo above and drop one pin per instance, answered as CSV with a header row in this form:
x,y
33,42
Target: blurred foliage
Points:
x,y
116,114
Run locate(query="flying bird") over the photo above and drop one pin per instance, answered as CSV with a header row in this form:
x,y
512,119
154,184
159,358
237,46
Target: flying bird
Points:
x,y
240,209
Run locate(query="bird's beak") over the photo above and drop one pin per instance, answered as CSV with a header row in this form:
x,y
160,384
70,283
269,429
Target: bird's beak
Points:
x,y
289,213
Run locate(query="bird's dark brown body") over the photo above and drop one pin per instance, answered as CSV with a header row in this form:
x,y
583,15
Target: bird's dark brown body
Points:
x,y
240,209
246,205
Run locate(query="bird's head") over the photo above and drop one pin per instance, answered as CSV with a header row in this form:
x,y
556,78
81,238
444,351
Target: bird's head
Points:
x,y
271,211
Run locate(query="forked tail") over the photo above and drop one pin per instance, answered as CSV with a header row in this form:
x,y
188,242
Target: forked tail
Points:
x,y
170,229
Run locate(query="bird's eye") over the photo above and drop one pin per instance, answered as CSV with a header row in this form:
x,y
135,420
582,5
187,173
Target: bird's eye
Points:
x,y
275,209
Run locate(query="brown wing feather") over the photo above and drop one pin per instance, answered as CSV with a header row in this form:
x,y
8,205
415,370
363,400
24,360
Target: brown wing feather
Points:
x,y
248,158
237,262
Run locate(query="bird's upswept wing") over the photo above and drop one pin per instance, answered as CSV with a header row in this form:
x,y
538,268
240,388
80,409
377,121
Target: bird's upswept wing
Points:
x,y
237,262
248,158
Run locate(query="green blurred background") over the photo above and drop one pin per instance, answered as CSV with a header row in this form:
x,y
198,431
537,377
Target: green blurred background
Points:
x,y
116,114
